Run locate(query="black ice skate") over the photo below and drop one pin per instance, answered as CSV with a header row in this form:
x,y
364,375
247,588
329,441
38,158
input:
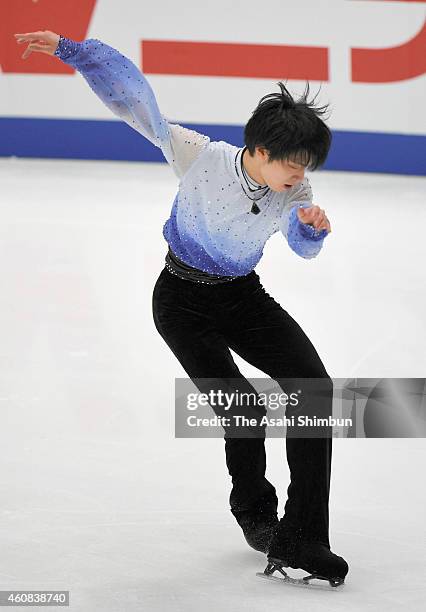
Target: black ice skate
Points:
x,y
314,557
259,522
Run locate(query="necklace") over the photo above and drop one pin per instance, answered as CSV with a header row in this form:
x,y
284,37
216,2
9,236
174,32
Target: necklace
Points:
x,y
257,188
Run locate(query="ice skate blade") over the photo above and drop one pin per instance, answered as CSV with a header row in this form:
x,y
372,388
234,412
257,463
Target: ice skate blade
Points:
x,y
302,582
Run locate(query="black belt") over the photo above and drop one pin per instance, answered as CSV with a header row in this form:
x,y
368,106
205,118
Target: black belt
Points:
x,y
182,270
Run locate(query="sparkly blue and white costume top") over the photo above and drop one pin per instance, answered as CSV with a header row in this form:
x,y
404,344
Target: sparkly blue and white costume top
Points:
x,y
211,226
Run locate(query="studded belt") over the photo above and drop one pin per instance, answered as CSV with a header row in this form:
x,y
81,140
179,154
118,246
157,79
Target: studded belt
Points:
x,y
179,268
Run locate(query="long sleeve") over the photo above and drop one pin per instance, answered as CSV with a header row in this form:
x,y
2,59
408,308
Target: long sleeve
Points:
x,y
302,238
122,87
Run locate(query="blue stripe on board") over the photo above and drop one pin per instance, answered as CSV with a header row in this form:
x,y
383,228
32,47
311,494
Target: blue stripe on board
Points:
x,y
115,140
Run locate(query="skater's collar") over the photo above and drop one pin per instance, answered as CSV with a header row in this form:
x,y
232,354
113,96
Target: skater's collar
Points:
x,y
253,190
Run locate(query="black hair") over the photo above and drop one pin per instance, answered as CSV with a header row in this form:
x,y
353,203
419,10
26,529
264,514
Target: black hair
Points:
x,y
289,129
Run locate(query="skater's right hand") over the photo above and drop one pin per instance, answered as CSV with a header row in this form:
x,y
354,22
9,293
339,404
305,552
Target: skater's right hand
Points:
x,y
48,39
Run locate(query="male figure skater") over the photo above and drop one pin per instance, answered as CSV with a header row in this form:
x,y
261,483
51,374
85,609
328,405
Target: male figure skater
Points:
x,y
208,297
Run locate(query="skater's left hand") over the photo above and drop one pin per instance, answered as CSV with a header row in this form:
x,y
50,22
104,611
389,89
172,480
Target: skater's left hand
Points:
x,y
314,215
43,42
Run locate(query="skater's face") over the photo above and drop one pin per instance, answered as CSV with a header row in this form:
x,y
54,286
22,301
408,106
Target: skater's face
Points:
x,y
278,175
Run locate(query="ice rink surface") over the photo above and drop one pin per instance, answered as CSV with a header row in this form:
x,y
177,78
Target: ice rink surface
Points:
x,y
97,495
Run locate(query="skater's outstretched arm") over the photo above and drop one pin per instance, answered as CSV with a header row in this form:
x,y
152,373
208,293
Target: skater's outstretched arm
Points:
x,y
123,88
302,237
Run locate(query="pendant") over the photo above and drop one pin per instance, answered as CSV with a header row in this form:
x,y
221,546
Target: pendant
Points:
x,y
255,209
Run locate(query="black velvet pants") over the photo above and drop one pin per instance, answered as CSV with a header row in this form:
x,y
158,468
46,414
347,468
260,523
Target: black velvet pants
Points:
x,y
200,323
